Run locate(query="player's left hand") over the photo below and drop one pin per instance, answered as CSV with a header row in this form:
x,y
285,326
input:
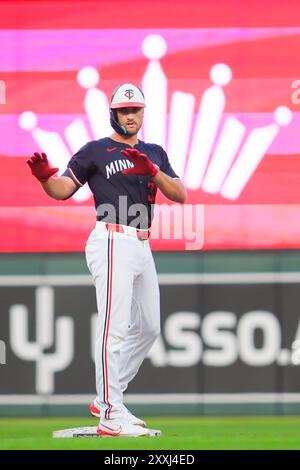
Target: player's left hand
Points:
x,y
142,164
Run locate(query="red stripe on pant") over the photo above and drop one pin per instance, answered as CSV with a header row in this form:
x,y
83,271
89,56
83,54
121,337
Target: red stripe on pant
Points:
x,y
110,273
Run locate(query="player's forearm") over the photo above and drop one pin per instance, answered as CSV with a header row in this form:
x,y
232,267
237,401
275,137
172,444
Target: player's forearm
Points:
x,y
59,187
172,188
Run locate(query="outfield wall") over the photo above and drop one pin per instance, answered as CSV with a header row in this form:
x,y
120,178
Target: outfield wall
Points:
x,y
229,344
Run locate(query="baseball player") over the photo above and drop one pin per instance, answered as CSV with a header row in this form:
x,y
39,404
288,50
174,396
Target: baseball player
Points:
x,y
123,174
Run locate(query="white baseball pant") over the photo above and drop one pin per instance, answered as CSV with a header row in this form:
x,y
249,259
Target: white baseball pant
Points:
x,y
128,322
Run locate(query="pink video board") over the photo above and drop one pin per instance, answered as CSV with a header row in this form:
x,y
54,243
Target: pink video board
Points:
x,y
223,99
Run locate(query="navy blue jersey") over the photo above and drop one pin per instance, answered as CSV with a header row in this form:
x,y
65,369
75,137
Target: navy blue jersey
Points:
x,y
100,163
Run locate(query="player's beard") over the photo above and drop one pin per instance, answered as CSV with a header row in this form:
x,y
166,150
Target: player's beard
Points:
x,y
133,129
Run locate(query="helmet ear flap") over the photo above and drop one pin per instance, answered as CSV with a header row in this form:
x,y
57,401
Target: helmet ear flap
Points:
x,y
114,123
115,114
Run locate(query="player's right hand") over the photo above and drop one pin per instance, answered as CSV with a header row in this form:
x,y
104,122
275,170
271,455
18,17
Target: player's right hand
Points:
x,y
40,167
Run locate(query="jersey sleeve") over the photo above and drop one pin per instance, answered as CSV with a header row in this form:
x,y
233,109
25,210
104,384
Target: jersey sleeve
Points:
x,y
166,166
81,166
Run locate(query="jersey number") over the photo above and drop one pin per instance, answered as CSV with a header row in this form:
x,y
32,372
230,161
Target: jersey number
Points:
x,y
152,190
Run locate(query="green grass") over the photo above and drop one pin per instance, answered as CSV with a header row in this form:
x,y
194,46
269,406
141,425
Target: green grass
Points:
x,y
211,433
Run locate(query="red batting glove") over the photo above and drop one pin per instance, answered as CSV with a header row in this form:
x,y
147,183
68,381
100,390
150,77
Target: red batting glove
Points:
x,y
40,167
142,164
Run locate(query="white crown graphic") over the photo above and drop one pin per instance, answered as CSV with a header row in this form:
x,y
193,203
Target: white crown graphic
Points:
x,y
217,157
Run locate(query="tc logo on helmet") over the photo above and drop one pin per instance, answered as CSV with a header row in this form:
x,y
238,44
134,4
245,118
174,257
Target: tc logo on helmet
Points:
x,y
129,94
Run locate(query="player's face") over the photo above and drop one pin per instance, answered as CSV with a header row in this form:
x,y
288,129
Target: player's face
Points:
x,y
131,119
